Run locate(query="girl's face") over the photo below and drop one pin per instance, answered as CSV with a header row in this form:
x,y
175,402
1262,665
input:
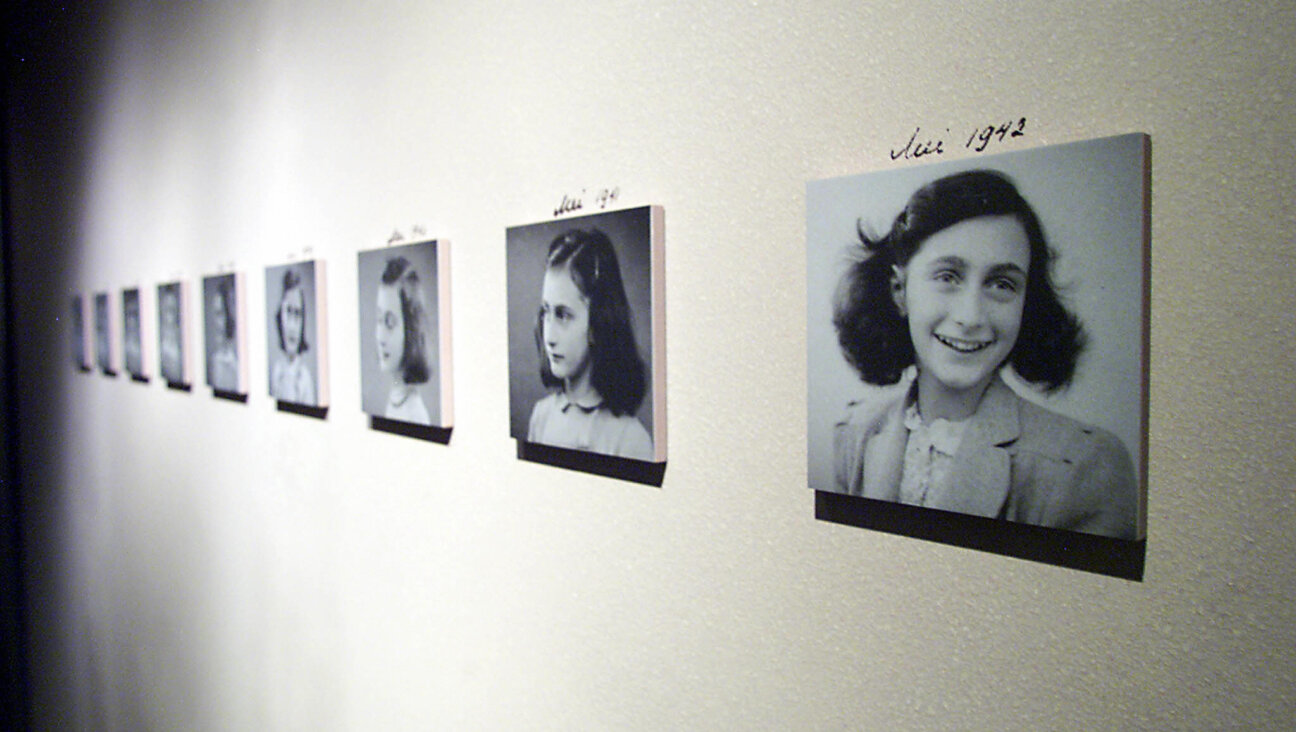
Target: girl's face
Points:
x,y
564,314
219,318
963,292
390,330
292,315
170,315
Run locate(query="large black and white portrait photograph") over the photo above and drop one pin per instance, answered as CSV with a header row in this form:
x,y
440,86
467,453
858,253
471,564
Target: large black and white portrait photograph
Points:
x,y
103,335
586,334
977,336
80,351
296,332
173,350
133,336
404,333
224,333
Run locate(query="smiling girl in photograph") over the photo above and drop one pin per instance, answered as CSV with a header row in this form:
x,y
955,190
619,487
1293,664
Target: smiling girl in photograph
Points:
x,y
290,377
959,288
588,353
401,339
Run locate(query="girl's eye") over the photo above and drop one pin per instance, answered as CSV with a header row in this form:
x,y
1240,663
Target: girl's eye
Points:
x,y
1003,288
1005,284
946,277
389,320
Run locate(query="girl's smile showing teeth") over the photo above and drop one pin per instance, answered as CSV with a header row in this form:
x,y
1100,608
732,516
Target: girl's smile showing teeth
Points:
x,y
962,346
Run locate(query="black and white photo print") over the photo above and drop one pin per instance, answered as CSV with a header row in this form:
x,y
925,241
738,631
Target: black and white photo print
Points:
x,y
173,348
80,351
225,333
405,333
133,336
296,333
587,333
103,335
977,334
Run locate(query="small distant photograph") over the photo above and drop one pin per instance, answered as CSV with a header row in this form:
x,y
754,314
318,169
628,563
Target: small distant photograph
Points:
x,y
172,348
223,332
103,334
977,333
132,336
587,333
404,333
80,351
296,333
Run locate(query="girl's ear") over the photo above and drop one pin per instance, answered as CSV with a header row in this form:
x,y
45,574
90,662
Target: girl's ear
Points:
x,y
898,288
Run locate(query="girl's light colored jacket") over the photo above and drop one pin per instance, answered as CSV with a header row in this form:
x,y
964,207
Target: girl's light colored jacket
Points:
x,y
1017,461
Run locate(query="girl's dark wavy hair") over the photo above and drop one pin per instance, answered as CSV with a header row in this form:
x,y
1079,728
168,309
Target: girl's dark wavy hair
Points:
x,y
400,273
291,279
873,335
616,369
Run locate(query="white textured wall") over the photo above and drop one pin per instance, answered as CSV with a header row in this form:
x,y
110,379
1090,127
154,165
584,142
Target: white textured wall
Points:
x,y
197,563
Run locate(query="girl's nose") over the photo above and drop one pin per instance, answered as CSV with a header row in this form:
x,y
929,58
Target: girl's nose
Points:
x,y
968,310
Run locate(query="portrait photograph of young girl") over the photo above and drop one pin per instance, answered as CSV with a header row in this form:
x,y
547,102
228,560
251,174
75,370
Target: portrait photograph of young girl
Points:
x,y
172,355
586,334
80,353
977,336
404,333
224,334
103,335
295,333
132,335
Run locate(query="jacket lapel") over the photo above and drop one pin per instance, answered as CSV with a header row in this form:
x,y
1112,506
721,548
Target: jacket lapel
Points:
x,y
884,456
980,475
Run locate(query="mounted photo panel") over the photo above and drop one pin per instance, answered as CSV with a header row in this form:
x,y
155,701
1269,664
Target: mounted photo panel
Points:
x,y
405,360
977,338
587,338
174,351
296,333
133,341
225,333
105,356
80,340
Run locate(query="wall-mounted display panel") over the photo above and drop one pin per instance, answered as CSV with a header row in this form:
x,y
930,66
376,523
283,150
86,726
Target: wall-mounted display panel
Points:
x,y
587,357
977,336
405,360
225,333
297,333
80,340
133,335
173,345
104,350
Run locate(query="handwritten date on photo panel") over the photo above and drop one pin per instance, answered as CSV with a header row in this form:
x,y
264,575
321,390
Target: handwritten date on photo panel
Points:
x,y
921,145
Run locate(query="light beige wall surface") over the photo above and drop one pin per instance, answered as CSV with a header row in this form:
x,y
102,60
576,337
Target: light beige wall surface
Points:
x,y
197,563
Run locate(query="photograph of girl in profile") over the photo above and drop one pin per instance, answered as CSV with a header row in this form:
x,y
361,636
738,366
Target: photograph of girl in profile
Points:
x,y
588,356
401,341
294,329
400,331
593,376
956,292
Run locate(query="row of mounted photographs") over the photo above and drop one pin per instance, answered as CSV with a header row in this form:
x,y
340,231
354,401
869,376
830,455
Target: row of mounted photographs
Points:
x,y
976,335
586,333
